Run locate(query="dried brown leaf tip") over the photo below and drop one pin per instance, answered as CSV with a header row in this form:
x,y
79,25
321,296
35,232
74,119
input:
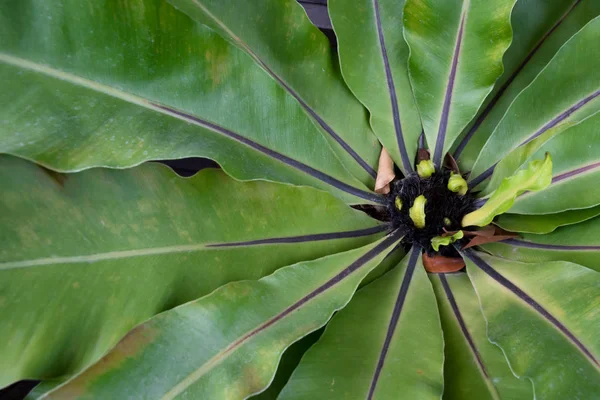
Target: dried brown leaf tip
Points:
x,y
385,173
489,234
451,164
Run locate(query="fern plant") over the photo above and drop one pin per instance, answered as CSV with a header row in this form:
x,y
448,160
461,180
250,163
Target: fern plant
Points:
x,y
414,217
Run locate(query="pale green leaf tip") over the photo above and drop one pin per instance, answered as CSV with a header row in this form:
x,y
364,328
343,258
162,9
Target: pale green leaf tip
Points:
x,y
425,168
398,203
457,184
537,176
438,241
417,212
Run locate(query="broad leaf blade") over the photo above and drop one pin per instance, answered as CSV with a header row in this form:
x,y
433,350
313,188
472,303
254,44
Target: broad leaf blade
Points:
x,y
546,223
280,38
578,243
386,341
575,172
474,368
118,83
544,317
374,62
565,92
540,28
105,250
228,344
456,50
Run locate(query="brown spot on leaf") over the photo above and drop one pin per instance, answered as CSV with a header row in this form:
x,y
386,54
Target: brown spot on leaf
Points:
x,y
131,345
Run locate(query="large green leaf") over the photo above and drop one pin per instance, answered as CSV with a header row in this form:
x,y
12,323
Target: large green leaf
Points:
x,y
374,61
546,223
540,28
473,367
115,83
280,39
575,172
386,341
85,257
456,49
578,243
227,345
545,318
565,92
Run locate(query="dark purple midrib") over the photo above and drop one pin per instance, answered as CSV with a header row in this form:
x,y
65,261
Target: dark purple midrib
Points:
x,y
305,238
463,143
312,112
392,90
522,243
555,121
276,155
414,255
357,264
462,325
575,172
441,137
492,273
569,174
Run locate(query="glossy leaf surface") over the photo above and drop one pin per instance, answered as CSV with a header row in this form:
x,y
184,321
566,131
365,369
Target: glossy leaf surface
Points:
x,y
375,67
386,341
107,249
544,317
456,50
280,38
227,345
565,92
474,368
540,28
118,83
578,243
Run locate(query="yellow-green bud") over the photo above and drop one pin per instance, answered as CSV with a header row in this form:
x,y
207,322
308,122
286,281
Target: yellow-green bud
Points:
x,y
398,203
425,168
447,221
438,241
457,184
417,212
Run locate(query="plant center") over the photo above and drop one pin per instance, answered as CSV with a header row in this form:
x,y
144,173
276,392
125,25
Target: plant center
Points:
x,y
443,209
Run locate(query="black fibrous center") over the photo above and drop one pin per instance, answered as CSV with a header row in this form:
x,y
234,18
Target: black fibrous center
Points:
x,y
444,209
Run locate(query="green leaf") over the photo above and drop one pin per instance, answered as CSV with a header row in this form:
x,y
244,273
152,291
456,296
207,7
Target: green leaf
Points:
x,y
44,387
545,223
288,363
544,317
537,176
578,243
118,83
456,49
438,241
227,345
474,368
540,28
576,172
565,92
280,39
85,257
374,62
385,342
